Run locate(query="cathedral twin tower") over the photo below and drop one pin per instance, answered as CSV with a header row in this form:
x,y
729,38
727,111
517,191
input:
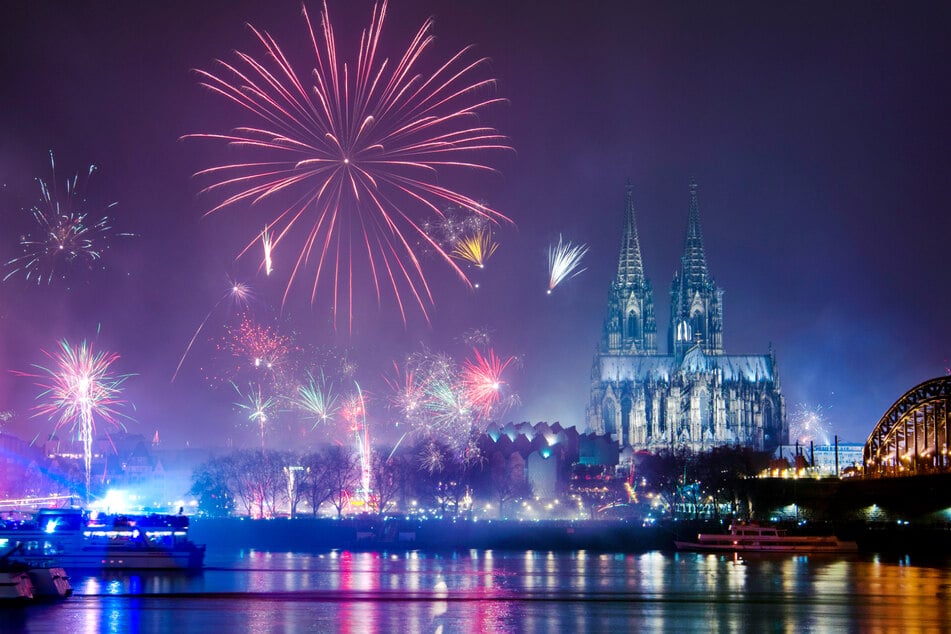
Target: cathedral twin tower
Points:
x,y
695,396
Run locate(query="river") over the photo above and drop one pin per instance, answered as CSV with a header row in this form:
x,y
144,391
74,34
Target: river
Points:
x,y
495,591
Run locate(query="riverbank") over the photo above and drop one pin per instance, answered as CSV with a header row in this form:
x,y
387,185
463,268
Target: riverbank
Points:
x,y
370,533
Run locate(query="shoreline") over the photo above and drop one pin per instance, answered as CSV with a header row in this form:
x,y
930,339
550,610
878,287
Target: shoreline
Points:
x,y
322,534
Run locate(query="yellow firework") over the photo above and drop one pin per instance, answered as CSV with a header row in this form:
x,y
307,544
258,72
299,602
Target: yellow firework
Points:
x,y
476,248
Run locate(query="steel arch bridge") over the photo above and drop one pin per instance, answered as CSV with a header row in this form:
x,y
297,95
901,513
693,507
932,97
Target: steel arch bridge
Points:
x,y
912,437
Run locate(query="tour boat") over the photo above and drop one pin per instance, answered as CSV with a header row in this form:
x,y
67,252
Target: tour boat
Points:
x,y
765,539
71,539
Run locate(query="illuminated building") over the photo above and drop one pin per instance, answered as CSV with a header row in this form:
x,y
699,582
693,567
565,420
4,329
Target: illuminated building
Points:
x,y
695,396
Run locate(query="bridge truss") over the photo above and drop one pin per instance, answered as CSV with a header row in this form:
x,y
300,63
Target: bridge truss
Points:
x,y
912,437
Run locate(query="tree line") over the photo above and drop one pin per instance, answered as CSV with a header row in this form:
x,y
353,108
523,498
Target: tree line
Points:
x,y
430,477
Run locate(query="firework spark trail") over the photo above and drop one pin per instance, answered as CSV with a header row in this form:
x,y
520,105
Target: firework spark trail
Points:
x,y
355,413
359,151
476,248
64,232
79,387
317,399
239,294
266,243
257,407
563,262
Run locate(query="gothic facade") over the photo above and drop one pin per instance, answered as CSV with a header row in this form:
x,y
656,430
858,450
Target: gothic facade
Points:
x,y
696,396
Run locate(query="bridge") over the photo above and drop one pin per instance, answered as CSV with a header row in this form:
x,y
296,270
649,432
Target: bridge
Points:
x,y
912,437
907,470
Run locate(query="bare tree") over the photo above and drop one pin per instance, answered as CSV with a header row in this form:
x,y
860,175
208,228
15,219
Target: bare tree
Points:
x,y
342,473
315,484
239,473
504,484
271,480
211,486
385,472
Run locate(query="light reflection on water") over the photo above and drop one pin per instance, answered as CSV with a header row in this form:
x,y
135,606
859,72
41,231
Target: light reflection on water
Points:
x,y
482,591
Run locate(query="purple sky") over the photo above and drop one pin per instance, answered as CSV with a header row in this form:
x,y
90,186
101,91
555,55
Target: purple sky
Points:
x,y
818,135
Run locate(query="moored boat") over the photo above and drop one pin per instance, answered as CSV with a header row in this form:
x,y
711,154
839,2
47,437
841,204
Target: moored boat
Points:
x,y
15,587
765,539
50,583
68,538
43,583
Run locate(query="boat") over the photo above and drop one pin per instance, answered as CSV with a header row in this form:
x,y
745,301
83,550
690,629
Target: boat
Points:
x,y
50,583
44,582
751,537
15,587
73,539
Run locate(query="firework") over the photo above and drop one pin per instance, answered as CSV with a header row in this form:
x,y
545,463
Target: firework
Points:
x,y
432,458
476,248
66,232
409,394
359,149
266,243
355,413
563,262
79,387
450,412
453,226
809,424
238,293
442,401
317,399
257,407
477,337
425,397
262,354
482,379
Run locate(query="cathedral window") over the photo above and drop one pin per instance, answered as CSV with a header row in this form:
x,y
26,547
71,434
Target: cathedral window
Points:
x,y
696,322
626,406
633,325
684,331
609,417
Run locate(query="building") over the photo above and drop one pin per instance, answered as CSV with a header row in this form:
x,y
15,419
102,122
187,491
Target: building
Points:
x,y
696,396
825,459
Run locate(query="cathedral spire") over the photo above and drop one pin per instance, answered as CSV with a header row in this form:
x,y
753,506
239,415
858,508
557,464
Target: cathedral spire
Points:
x,y
630,269
693,263
630,327
696,304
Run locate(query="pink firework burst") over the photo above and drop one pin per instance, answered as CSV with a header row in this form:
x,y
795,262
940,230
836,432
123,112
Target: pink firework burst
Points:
x,y
79,387
257,347
355,151
482,378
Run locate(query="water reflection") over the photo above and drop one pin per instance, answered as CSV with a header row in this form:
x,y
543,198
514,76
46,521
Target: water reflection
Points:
x,y
506,591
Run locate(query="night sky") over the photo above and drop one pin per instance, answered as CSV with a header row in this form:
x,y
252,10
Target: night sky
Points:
x,y
818,134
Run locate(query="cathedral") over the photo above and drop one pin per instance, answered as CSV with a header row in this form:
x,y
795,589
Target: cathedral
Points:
x,y
696,396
